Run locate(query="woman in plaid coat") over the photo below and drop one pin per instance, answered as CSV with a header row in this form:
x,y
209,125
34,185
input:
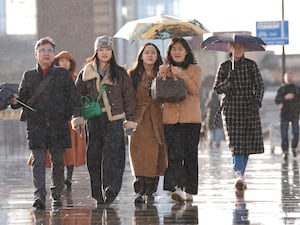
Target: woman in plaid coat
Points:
x,y
242,90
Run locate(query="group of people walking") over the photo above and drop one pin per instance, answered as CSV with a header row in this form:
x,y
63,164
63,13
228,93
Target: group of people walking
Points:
x,y
164,136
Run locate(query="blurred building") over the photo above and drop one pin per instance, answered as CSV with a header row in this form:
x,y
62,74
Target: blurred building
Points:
x,y
138,9
2,17
75,24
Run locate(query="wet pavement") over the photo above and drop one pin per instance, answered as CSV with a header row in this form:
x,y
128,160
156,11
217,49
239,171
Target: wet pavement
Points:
x,y
272,196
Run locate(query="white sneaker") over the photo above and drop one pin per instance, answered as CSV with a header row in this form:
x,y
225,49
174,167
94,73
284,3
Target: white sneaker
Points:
x,y
188,197
178,210
179,195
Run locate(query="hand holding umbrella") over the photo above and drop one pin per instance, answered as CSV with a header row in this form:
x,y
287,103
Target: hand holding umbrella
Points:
x,y
8,95
223,42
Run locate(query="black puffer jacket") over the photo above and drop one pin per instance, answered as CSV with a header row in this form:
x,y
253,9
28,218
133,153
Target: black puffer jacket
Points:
x,y
290,108
48,127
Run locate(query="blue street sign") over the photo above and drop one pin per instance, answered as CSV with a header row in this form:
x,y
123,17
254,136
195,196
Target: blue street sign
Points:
x,y
273,32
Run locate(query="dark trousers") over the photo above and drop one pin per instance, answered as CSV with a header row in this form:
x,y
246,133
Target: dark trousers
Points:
x,y
105,155
39,171
182,141
146,185
284,128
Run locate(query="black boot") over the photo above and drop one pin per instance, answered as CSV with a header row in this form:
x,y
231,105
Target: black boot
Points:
x,y
56,199
140,199
68,181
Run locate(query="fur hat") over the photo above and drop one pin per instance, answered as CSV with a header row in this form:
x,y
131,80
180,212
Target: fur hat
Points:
x,y
103,42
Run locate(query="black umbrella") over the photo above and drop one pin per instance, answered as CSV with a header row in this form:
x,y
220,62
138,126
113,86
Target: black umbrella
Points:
x,y
12,86
7,92
222,42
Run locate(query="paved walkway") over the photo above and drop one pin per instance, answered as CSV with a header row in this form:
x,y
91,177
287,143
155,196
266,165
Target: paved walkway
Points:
x,y
272,197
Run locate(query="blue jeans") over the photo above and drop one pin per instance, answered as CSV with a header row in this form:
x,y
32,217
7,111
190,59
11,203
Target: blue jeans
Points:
x,y
215,135
284,129
240,163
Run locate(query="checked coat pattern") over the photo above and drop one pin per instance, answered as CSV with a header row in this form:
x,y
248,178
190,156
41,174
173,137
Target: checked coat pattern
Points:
x,y
242,91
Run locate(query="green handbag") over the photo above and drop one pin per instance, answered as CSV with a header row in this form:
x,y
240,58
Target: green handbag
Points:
x,y
89,107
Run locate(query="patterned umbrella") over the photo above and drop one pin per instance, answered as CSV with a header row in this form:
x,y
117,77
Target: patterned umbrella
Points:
x,y
160,27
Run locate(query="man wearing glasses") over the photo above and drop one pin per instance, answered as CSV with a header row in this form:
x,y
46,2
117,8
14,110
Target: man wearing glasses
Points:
x,y
51,95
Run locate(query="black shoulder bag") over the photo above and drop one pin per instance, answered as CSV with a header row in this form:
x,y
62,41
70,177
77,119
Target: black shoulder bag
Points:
x,y
38,91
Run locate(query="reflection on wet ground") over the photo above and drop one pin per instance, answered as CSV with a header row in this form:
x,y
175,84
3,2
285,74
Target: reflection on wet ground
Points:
x,y
272,197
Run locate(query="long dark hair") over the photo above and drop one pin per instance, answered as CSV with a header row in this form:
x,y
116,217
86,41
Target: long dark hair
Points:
x,y
189,58
138,67
113,65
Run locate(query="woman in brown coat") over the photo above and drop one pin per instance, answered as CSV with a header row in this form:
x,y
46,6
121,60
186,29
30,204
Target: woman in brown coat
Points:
x,y
148,155
105,132
74,156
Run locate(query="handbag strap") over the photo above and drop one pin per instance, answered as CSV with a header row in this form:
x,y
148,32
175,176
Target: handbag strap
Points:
x,y
40,89
102,89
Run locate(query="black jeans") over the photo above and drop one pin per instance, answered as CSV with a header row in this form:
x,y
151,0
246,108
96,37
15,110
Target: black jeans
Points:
x,y
105,155
284,128
182,141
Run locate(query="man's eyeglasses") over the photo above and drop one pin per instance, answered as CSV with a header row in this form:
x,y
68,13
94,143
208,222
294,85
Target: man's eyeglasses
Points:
x,y
46,51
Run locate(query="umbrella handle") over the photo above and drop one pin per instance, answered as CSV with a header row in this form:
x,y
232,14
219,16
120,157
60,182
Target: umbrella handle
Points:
x,y
232,66
26,106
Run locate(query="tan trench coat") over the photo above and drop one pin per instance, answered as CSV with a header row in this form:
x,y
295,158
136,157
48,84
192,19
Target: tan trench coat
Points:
x,y
148,152
188,110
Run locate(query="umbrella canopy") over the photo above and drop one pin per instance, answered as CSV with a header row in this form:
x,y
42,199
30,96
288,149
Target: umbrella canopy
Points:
x,y
12,86
222,42
7,91
160,27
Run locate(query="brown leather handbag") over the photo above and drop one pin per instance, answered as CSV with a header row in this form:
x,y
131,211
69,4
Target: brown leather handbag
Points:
x,y
168,89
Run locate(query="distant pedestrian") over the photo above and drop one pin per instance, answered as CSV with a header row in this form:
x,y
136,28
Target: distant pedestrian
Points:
x,y
242,90
215,133
148,152
47,126
105,132
288,97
